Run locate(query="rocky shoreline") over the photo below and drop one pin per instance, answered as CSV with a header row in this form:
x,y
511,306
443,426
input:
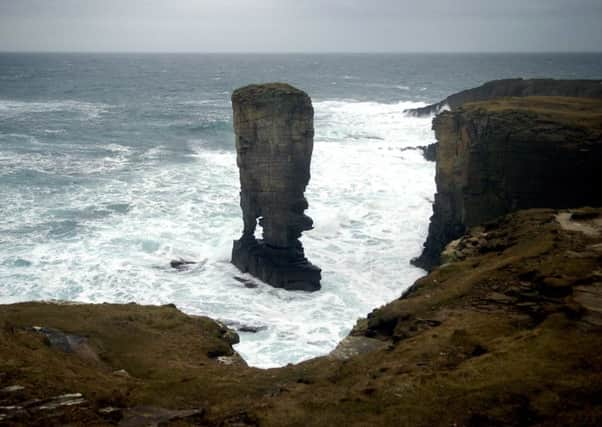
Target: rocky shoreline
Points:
x,y
505,332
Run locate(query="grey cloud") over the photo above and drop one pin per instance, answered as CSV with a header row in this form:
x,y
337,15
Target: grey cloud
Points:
x,y
300,25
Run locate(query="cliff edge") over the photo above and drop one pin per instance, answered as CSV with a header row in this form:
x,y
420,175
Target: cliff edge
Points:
x,y
514,88
500,156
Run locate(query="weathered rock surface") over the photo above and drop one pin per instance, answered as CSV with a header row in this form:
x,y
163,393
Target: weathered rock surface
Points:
x,y
501,156
514,88
274,143
153,416
181,264
429,152
506,334
352,346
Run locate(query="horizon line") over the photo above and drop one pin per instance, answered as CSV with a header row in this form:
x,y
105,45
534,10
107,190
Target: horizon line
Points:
x,y
165,52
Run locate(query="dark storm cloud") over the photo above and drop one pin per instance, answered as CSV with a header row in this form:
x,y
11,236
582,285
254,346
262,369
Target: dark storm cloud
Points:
x,y
301,25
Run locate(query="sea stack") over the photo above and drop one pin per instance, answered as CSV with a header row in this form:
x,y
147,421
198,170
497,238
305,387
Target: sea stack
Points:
x,y
274,131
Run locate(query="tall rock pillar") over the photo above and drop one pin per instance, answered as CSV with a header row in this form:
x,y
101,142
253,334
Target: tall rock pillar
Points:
x,y
274,131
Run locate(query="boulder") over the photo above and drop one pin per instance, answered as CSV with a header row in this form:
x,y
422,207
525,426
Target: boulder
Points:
x,y
181,264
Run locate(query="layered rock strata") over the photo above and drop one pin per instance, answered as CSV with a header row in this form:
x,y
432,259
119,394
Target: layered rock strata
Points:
x,y
514,88
274,131
517,153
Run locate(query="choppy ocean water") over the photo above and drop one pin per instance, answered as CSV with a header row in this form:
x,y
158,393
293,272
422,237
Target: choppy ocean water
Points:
x,y
113,165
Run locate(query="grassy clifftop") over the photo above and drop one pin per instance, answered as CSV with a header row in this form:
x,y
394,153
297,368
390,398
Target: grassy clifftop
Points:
x,y
581,112
506,333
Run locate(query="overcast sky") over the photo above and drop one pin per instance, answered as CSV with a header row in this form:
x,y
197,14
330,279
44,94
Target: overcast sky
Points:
x,y
301,25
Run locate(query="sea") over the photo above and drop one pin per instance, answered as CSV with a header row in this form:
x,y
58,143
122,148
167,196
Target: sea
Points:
x,y
113,165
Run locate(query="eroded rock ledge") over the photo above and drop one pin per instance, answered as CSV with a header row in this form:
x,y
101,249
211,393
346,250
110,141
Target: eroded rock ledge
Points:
x,y
517,153
274,143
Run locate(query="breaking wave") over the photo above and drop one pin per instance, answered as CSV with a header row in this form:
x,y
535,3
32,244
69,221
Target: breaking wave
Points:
x,y
110,237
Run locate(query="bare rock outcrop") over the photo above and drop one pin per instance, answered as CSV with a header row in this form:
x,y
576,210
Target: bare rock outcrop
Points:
x,y
274,142
500,156
514,88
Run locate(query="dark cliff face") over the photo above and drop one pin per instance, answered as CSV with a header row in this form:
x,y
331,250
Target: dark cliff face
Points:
x,y
274,142
501,156
515,88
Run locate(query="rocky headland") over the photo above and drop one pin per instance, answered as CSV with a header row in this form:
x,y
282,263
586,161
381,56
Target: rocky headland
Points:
x,y
500,156
506,332
274,131
514,88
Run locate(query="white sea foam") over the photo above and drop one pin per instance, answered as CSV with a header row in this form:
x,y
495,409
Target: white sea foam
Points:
x,y
118,148
363,122
113,241
203,102
11,108
58,164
